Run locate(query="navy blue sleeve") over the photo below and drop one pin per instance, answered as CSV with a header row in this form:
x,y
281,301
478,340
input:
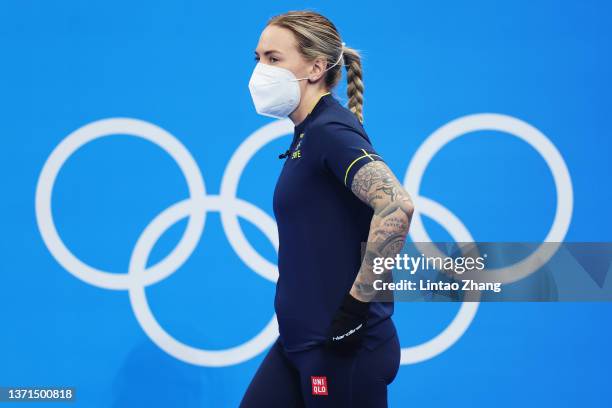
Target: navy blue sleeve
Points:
x,y
344,150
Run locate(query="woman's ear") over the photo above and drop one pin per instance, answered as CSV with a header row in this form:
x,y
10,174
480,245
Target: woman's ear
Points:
x,y
317,70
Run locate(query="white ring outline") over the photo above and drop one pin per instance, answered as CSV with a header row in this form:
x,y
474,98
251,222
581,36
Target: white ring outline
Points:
x,y
138,299
542,145
76,140
412,181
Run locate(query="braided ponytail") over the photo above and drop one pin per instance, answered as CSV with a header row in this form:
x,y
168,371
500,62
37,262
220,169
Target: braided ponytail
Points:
x,y
354,80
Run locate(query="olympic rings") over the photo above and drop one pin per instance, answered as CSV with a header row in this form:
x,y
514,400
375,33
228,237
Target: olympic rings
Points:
x,y
230,208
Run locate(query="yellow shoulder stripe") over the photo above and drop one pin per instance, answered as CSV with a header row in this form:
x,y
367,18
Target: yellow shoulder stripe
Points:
x,y
365,154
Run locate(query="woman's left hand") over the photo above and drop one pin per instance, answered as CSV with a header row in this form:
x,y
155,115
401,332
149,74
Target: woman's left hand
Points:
x,y
347,329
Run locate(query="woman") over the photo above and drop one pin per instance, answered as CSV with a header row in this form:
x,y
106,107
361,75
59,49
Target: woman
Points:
x,y
337,346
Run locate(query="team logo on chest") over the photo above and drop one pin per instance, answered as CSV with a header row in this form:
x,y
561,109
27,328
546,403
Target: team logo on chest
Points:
x,y
297,153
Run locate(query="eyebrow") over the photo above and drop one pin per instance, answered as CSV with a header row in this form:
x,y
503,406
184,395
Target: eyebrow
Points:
x,y
269,52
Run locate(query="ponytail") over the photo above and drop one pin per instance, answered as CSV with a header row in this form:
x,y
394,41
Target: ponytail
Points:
x,y
354,81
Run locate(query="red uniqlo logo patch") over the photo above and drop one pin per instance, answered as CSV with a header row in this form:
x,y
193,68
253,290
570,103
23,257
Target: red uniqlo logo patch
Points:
x,y
319,385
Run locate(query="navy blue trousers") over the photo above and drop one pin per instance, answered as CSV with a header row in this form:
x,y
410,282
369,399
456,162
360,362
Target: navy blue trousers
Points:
x,y
318,377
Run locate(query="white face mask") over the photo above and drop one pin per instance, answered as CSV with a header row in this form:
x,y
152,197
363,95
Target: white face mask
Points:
x,y
275,90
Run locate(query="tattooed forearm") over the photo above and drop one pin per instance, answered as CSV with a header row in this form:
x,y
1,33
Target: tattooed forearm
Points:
x,y
376,186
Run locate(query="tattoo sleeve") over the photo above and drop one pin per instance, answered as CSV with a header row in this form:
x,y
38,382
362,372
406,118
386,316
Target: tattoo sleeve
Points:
x,y
376,186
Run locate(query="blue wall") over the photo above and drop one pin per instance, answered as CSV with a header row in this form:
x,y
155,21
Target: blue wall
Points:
x,y
182,67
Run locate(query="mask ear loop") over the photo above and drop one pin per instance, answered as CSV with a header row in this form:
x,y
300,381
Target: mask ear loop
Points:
x,y
339,58
335,63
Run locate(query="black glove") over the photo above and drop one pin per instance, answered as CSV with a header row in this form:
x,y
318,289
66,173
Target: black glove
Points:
x,y
347,329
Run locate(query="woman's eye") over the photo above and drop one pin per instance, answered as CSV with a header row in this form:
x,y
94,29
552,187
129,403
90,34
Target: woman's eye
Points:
x,y
272,59
257,58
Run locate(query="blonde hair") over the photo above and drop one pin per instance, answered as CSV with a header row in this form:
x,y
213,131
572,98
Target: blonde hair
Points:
x,y
318,37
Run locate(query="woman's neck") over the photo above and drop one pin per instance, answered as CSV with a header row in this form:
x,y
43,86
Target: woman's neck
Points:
x,y
307,104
